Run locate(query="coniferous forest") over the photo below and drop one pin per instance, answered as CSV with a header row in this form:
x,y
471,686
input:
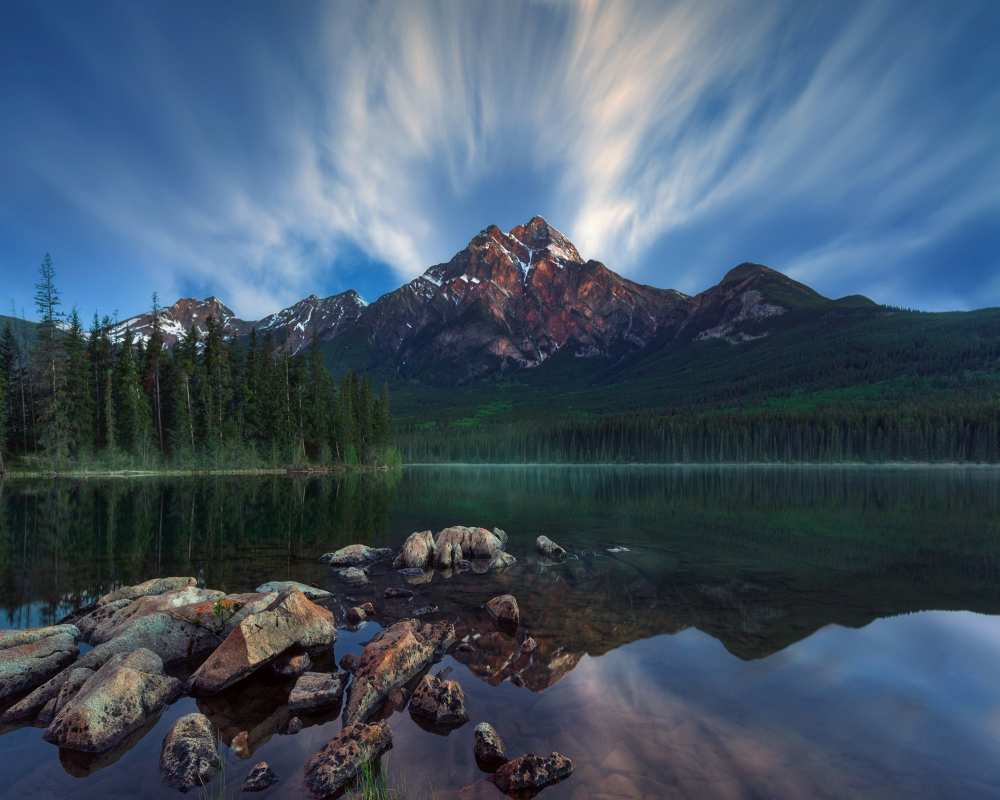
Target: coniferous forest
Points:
x,y
76,398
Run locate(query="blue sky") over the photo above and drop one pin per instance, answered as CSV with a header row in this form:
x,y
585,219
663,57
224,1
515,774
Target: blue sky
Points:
x,y
263,151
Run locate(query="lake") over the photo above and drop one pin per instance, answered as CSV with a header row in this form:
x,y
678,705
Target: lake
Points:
x,y
716,632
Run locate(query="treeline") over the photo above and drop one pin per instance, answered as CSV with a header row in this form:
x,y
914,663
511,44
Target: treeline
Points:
x,y
71,399
959,431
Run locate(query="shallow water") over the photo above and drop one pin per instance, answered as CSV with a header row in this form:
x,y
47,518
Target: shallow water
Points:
x,y
716,632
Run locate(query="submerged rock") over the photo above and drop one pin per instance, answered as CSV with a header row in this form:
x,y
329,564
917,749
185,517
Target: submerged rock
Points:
x,y
439,702
393,657
261,777
292,620
190,756
37,655
315,690
355,555
340,761
115,701
283,586
491,754
418,551
548,548
530,773
504,611
146,588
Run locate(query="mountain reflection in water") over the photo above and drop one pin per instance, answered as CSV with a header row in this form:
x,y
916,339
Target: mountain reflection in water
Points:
x,y
716,632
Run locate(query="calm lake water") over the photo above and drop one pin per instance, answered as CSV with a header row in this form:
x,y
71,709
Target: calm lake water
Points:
x,y
716,632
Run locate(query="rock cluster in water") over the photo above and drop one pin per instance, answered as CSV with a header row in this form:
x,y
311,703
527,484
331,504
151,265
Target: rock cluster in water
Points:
x,y
237,648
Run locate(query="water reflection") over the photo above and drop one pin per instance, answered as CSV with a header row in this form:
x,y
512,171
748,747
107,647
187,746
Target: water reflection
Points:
x,y
715,633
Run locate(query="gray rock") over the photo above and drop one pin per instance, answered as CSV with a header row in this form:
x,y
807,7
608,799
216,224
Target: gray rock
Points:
x,y
340,761
190,755
146,588
282,586
25,666
260,777
491,754
548,548
115,701
315,690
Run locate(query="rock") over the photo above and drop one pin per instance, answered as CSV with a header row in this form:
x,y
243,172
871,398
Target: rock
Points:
x,y
501,534
439,702
260,777
292,620
181,633
458,542
315,690
396,593
395,656
241,744
340,761
353,576
418,551
21,636
349,662
150,604
190,756
355,555
548,548
31,663
115,701
504,611
531,773
283,586
291,665
76,677
491,754
359,614
294,726
146,588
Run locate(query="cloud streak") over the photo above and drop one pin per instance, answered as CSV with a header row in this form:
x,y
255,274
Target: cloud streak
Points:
x,y
851,146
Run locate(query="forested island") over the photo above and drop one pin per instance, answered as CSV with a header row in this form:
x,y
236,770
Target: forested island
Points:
x,y
76,400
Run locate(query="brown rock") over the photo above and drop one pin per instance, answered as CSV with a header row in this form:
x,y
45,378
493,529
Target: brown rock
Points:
x,y
439,702
491,754
190,756
315,690
392,658
340,761
530,773
152,586
504,611
291,621
115,701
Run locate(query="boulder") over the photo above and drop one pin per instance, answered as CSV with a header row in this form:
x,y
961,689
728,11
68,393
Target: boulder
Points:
x,y
439,702
531,773
458,542
152,586
181,633
418,551
491,754
292,620
190,756
504,611
396,655
115,701
283,586
291,665
261,777
31,663
340,761
113,625
548,548
355,555
353,576
315,690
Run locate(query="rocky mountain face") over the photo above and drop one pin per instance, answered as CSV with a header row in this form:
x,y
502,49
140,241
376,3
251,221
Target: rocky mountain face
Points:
x,y
509,301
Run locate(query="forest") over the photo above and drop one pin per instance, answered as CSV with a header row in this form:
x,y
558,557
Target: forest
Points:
x,y
72,399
